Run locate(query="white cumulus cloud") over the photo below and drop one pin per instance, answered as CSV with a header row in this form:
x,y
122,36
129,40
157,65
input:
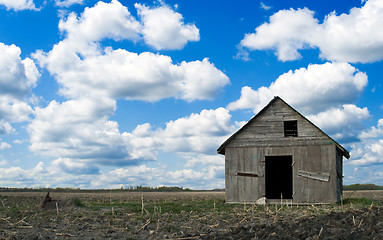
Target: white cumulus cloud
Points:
x,y
163,28
284,33
4,145
310,90
17,78
146,76
198,133
18,5
83,67
104,20
68,3
78,132
64,173
5,127
343,124
353,37
74,167
80,129
373,132
369,151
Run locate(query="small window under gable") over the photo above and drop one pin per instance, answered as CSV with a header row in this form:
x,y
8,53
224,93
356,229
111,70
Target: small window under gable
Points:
x,y
291,128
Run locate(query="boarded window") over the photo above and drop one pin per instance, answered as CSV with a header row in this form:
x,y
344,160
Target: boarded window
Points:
x,y
291,128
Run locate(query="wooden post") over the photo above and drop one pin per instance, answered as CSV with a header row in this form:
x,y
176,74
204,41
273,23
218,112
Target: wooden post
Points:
x,y
142,205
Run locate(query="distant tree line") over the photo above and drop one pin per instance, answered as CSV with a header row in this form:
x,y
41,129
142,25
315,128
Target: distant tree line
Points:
x,y
351,187
358,186
122,189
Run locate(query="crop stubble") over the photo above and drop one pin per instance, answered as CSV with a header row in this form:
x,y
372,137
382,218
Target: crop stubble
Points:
x,y
182,215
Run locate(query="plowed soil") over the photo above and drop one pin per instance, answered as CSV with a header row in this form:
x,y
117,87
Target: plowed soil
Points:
x,y
186,215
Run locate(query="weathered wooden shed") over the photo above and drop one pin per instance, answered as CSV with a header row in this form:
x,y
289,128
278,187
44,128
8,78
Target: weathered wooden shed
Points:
x,y
279,154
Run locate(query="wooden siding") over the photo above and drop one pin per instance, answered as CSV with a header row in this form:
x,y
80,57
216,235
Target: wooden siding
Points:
x,y
316,159
244,188
312,151
339,172
268,130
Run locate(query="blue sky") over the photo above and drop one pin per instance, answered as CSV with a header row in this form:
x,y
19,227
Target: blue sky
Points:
x,y
119,93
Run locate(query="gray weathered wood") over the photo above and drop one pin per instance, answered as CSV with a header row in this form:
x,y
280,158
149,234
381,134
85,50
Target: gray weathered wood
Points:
x,y
317,159
324,177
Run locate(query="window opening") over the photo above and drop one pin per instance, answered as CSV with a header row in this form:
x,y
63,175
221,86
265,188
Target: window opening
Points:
x,y
291,128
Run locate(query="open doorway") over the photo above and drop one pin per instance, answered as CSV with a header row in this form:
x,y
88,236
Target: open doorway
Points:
x,y
279,177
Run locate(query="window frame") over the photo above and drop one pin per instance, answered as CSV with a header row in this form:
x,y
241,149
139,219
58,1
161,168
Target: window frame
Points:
x,y
290,128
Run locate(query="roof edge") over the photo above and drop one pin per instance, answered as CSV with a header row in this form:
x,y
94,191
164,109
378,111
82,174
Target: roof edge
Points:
x,y
221,149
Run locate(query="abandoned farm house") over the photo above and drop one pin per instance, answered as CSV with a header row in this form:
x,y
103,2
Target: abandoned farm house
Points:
x,y
279,154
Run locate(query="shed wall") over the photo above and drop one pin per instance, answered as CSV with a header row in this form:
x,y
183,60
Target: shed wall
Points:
x,y
320,160
339,172
268,130
316,161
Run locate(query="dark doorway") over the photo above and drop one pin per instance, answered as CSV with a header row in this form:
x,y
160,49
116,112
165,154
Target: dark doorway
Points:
x,y
279,177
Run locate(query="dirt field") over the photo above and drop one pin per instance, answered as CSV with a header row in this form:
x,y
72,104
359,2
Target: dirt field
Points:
x,y
185,215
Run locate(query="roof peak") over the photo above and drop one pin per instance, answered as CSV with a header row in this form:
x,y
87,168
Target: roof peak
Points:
x,y
221,149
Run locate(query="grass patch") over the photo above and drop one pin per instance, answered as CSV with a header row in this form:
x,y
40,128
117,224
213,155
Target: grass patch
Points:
x,y
211,205
168,206
361,202
78,203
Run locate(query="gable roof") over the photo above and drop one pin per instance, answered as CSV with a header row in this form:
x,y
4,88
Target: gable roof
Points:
x,y
221,149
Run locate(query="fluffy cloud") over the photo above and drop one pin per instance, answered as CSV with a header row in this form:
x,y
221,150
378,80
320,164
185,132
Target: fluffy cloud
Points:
x,y
204,160
14,110
68,3
5,127
343,124
160,27
18,177
84,68
78,132
164,29
146,76
4,145
52,176
311,90
73,167
198,133
374,132
323,93
370,149
207,178
363,174
264,6
3,162
353,37
79,129
367,152
17,78
190,177
284,33
104,20
18,5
